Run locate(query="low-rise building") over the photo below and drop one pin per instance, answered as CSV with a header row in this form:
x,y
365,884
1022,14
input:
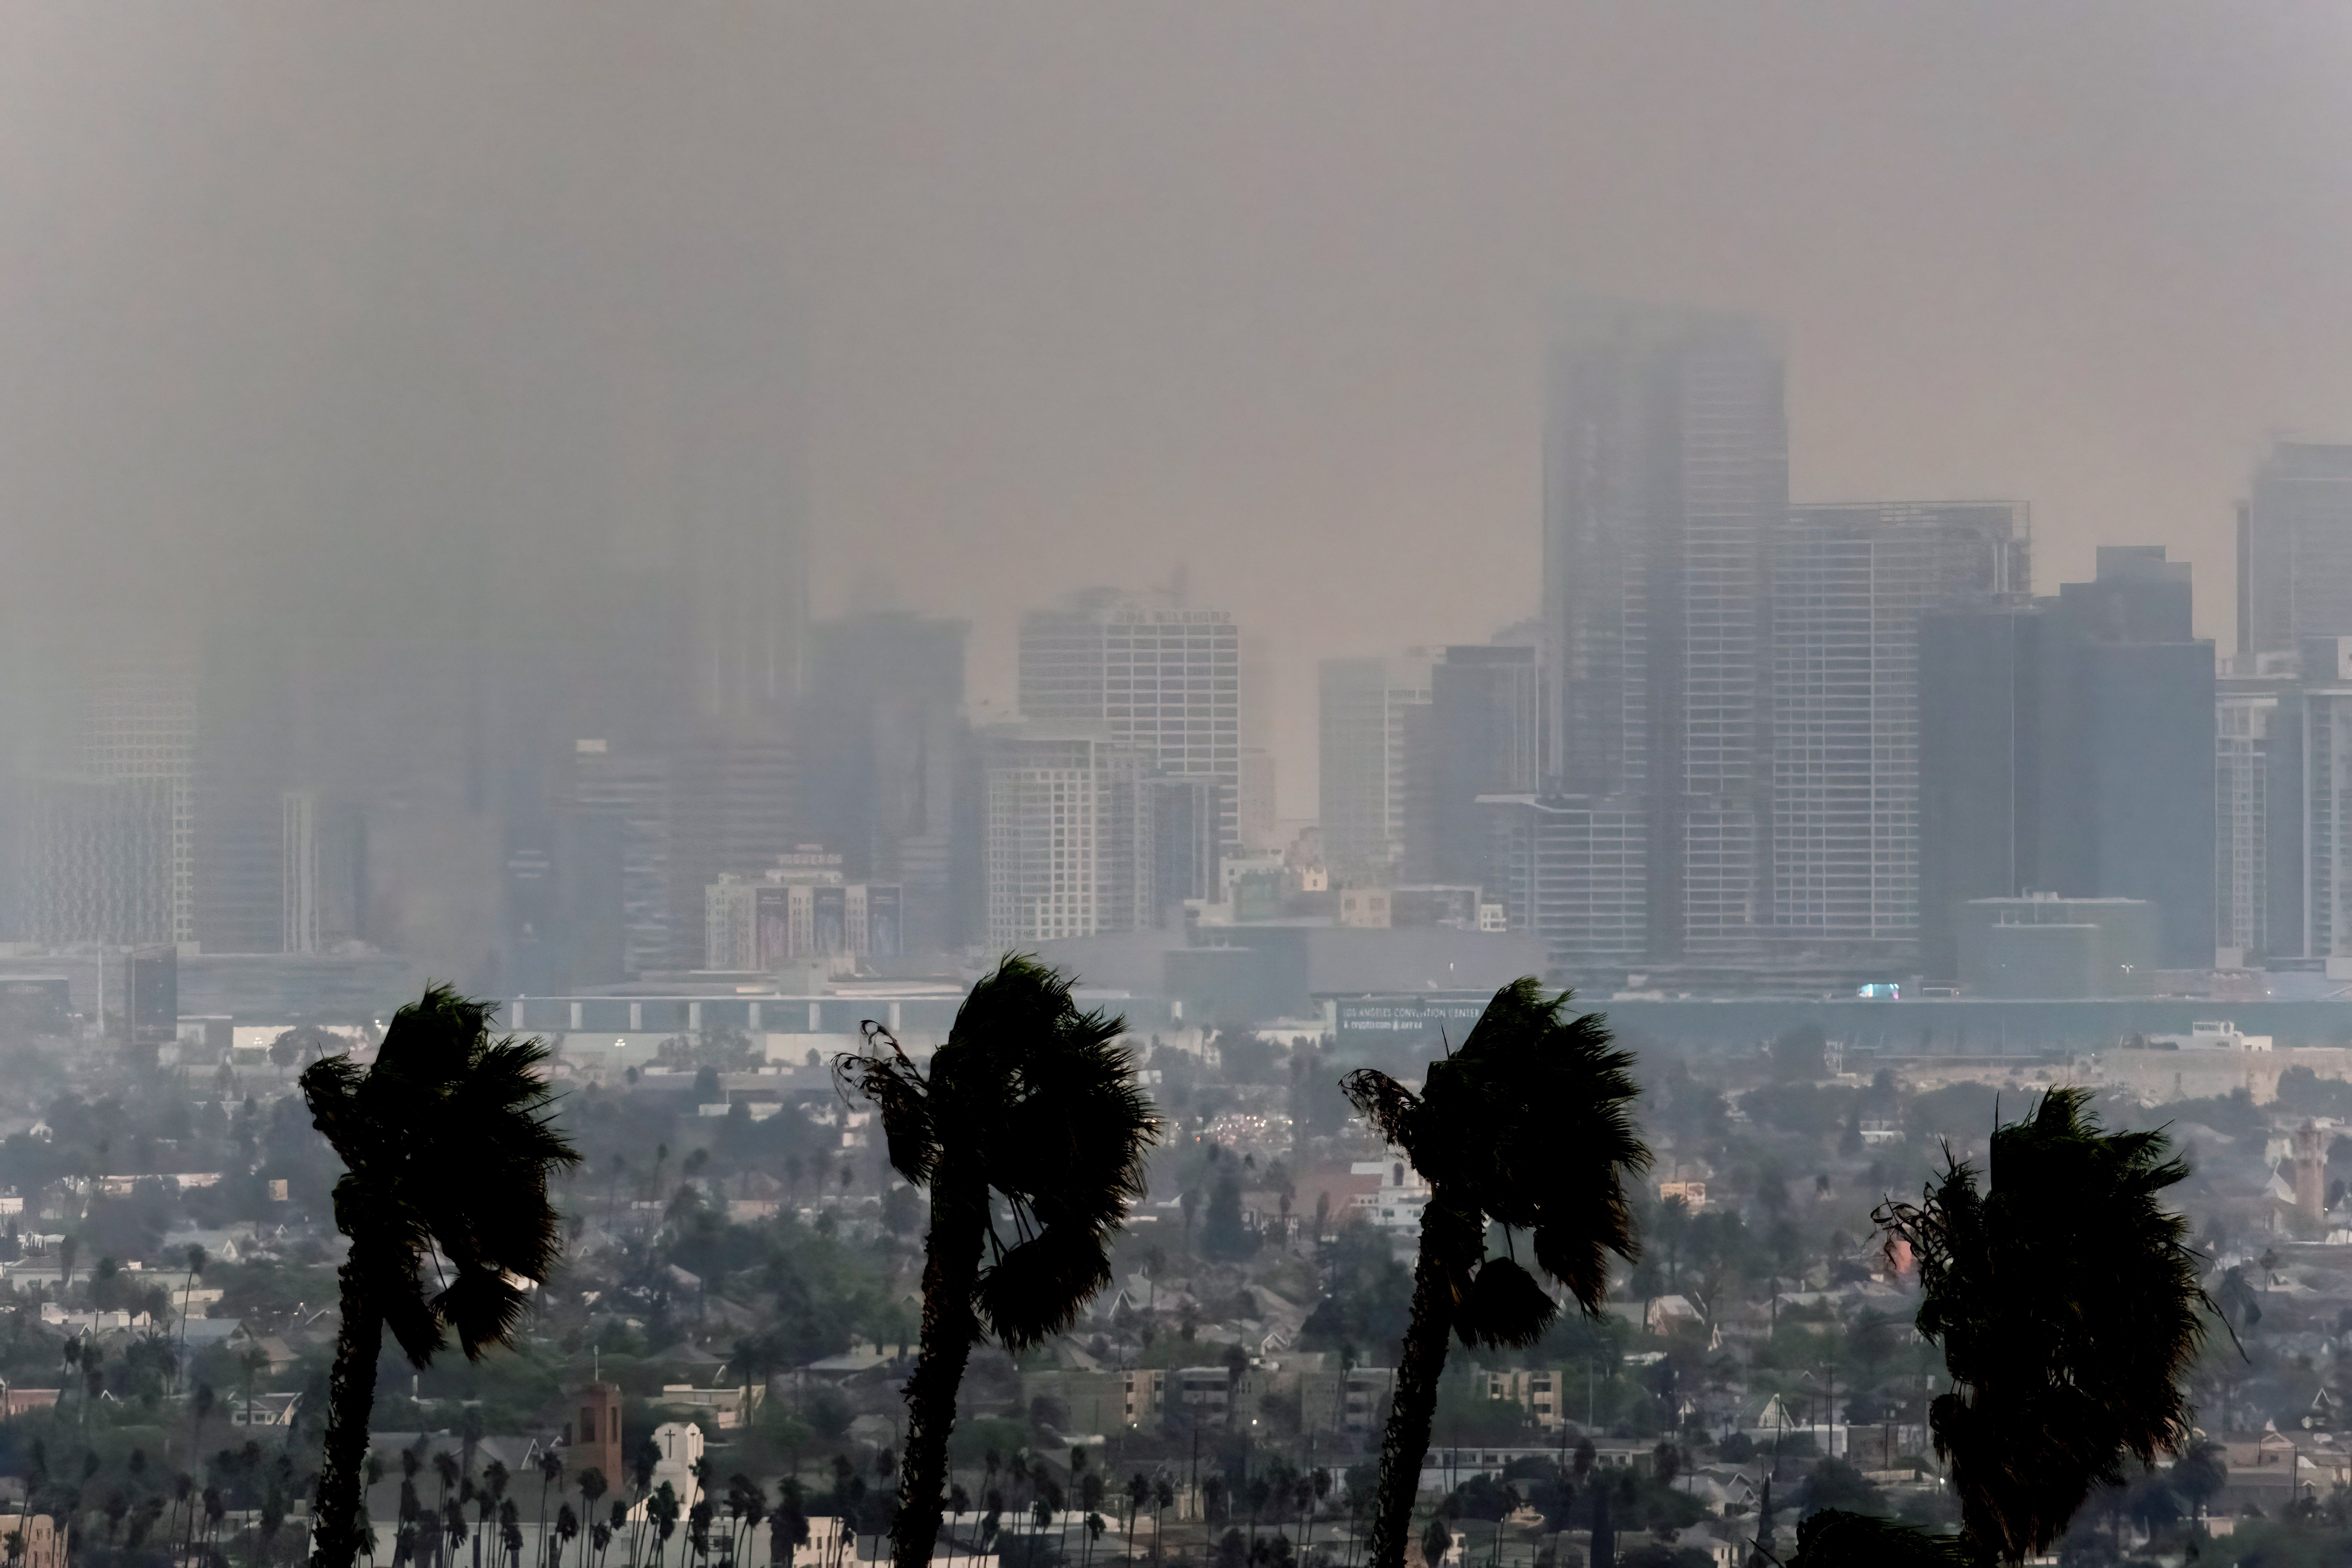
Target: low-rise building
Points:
x,y
1354,1400
41,1544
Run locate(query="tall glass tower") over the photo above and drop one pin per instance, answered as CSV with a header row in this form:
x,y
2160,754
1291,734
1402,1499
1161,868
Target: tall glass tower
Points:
x,y
1665,464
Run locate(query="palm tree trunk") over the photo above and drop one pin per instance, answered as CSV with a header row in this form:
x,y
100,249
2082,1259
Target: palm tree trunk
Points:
x,y
351,1396
951,1266
1418,1370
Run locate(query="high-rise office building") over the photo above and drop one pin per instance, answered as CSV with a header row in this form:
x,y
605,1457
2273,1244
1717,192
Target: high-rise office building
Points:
x,y
1160,678
633,789
1186,858
1980,772
2295,549
1577,873
97,859
143,730
1665,465
1254,802
1482,735
243,765
1365,753
2257,809
887,757
1849,586
735,805
2326,882
322,873
2058,743
2130,719
1070,843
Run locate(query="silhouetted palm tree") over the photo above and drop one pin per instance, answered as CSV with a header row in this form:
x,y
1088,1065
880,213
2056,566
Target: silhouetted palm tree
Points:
x,y
1530,1123
2067,1306
487,1498
1032,1102
447,1146
591,1482
195,1260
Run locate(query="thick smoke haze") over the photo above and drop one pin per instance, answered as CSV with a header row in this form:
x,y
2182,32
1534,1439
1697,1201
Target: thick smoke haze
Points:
x,y
1034,296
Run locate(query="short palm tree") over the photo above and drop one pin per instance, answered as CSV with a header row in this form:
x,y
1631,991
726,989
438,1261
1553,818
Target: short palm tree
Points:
x,y
446,1143
1530,1124
2067,1305
1032,1103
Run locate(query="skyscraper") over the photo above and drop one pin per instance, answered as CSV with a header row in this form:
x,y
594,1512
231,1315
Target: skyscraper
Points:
x,y
2070,749
1483,735
2257,809
1980,768
1849,586
1577,873
2295,549
2326,890
143,730
1070,843
634,790
735,806
1366,734
1665,464
1160,678
885,742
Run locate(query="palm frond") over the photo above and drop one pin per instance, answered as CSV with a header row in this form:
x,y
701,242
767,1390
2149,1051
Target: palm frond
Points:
x,y
1387,1104
484,1307
900,1093
1035,1290
1506,1307
432,1040
331,1089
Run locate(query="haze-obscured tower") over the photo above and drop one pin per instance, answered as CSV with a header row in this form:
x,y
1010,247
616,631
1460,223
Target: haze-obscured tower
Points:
x,y
1160,678
1071,846
1368,710
886,742
2060,745
1483,735
109,831
2257,810
1665,464
1850,585
1980,771
2295,549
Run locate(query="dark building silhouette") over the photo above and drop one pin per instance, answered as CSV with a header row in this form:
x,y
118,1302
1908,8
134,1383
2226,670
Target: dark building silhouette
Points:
x,y
1481,734
1665,468
2069,749
1980,768
887,762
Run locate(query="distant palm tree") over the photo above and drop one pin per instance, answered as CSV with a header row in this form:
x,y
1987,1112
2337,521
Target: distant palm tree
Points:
x,y
550,1474
486,1502
447,1144
591,1482
1531,1124
2067,1306
198,1408
196,1261
1031,1101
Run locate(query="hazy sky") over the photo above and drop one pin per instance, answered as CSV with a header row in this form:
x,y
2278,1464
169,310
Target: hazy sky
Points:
x,y
1074,293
